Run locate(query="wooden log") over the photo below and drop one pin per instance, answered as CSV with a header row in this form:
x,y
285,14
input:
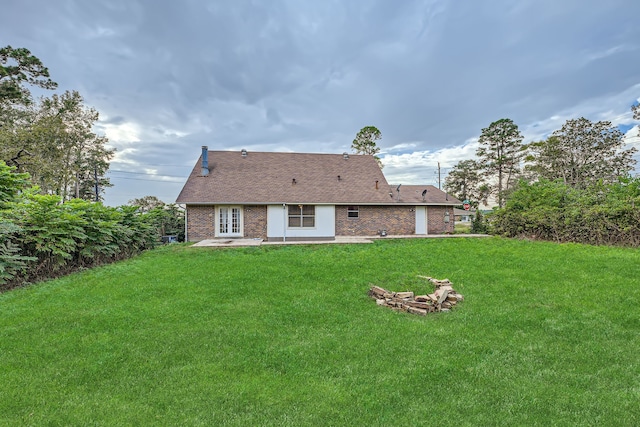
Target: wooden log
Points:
x,y
378,291
442,299
441,294
418,304
404,295
418,311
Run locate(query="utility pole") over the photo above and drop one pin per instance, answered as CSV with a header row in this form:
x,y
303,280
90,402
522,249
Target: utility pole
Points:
x,y
439,186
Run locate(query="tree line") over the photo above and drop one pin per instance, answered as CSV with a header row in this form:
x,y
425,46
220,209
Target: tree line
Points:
x,y
575,185
52,178
51,138
42,238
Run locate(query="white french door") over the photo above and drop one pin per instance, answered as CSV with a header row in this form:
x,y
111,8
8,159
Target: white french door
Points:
x,y
229,221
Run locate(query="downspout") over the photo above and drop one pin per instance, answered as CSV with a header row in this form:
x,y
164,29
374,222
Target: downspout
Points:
x,y
186,221
284,222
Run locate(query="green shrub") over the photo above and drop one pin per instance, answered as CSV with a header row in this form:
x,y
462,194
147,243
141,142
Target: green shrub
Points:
x,y
550,210
40,237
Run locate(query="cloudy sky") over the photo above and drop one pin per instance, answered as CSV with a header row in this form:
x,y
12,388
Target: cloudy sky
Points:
x,y
294,75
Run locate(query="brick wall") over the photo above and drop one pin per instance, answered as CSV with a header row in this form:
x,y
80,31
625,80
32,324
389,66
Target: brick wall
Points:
x,y
396,220
255,222
200,222
435,220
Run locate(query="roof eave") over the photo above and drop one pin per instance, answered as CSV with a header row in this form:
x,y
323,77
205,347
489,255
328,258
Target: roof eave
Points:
x,y
390,203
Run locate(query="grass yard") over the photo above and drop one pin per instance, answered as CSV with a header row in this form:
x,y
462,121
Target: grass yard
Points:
x,y
286,336
462,227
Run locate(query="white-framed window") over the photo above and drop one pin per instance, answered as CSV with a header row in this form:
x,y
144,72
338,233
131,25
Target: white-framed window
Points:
x,y
353,212
302,216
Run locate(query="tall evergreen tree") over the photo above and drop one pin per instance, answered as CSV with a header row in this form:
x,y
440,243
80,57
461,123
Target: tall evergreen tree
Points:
x,y
17,68
465,182
365,142
499,154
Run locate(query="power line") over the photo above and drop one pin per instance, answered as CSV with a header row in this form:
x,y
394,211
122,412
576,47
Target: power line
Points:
x,y
155,164
152,180
146,173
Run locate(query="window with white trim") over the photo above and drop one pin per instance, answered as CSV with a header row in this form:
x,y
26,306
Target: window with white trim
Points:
x,y
302,216
353,211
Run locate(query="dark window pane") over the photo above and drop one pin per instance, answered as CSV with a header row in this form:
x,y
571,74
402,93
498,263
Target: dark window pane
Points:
x,y
294,221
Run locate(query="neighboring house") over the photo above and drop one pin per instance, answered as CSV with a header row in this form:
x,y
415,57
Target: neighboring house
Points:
x,y
301,196
462,215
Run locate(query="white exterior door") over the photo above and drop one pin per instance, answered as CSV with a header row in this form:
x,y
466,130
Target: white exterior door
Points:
x,y
422,226
229,221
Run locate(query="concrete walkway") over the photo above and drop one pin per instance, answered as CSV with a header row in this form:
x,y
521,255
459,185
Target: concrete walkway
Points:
x,y
228,242
338,240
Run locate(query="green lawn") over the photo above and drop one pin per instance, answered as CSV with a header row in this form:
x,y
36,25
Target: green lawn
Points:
x,y
286,335
462,227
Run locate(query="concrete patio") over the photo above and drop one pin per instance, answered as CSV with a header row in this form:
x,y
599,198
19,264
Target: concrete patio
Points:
x,y
338,240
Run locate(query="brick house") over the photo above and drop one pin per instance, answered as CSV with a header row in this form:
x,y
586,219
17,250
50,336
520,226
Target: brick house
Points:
x,y
303,196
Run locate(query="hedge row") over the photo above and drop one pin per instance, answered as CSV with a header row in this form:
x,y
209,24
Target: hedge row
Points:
x,y
599,215
42,238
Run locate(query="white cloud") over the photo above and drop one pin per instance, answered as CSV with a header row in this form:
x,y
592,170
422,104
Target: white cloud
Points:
x,y
632,137
613,107
120,134
593,56
421,167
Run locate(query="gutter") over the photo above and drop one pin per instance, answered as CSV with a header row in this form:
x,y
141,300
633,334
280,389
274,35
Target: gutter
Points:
x,y
393,203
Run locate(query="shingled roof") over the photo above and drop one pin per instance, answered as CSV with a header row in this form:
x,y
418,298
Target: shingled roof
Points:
x,y
412,194
266,178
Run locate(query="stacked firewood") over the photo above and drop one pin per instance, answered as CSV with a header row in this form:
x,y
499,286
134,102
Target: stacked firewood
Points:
x,y
442,299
